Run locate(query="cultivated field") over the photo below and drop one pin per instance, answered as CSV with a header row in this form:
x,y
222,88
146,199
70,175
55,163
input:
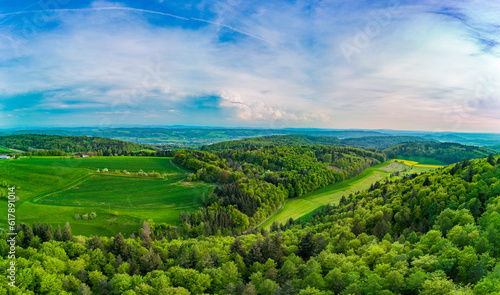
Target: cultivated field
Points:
x,y
54,190
418,167
420,161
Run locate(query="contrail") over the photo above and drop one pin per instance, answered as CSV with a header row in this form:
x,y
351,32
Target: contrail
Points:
x,y
94,9
8,38
140,10
237,30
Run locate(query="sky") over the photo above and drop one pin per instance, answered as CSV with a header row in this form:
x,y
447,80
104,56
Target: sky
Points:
x,y
407,65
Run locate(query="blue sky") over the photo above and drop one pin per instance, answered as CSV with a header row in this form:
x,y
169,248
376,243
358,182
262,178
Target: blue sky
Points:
x,y
414,65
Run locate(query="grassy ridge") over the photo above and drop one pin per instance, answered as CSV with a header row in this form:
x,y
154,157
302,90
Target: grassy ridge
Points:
x,y
54,190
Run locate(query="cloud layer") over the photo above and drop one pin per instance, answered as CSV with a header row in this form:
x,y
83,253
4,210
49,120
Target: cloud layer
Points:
x,y
331,64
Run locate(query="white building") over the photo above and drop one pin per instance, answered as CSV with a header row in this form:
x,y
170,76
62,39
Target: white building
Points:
x,y
4,157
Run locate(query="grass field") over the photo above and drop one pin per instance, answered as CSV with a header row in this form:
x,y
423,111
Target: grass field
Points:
x,y
53,190
4,150
304,206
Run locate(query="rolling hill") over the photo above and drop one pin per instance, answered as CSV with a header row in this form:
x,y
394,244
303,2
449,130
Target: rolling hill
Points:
x,y
54,190
71,144
368,142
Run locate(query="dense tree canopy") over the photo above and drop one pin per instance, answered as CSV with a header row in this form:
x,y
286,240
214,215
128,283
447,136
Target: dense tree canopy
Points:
x,y
443,151
435,233
54,145
255,181
402,237
366,142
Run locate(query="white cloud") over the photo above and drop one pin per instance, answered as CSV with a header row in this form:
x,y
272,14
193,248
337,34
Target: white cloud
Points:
x,y
285,64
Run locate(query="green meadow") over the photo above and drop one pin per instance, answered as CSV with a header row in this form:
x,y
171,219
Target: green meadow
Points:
x,y
54,190
4,150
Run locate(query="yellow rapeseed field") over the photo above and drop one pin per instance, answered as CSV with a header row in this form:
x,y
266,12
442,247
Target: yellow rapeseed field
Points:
x,y
416,164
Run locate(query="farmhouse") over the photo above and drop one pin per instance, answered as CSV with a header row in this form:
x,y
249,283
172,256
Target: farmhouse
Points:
x,y
85,156
4,157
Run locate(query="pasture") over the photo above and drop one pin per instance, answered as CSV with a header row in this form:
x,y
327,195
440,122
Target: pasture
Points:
x,y
54,190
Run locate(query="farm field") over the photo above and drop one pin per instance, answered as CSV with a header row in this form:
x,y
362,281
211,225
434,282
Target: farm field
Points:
x,y
422,160
53,190
417,167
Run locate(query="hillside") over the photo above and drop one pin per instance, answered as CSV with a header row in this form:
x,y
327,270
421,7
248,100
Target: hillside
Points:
x,y
436,233
71,144
368,142
443,151
54,190
189,137
494,147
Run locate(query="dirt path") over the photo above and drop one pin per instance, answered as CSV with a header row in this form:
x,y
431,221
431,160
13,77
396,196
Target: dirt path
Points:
x,y
75,183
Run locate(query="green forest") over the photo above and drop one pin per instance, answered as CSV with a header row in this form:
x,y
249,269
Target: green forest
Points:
x,y
255,181
444,151
55,145
415,233
365,142
436,233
